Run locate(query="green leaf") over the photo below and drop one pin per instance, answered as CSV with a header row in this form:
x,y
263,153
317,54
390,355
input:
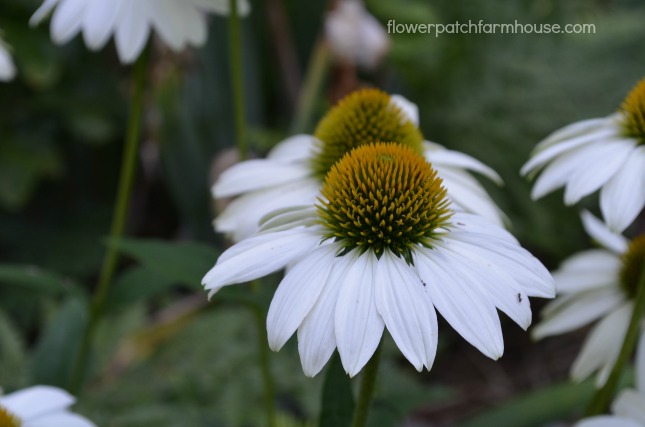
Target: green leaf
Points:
x,y
12,354
184,263
58,346
33,278
136,284
338,400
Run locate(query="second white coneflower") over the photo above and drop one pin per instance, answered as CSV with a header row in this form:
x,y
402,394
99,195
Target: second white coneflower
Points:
x,y
382,248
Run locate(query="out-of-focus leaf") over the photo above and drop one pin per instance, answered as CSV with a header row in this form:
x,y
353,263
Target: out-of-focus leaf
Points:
x,y
184,263
136,284
34,278
57,348
12,354
337,399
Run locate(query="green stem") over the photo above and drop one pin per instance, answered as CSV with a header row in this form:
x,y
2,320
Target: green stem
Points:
x,y
366,392
265,367
237,77
310,91
126,180
603,397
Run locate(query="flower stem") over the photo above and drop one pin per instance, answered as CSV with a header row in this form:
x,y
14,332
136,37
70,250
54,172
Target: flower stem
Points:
x,y
126,180
310,90
366,392
265,367
603,397
237,76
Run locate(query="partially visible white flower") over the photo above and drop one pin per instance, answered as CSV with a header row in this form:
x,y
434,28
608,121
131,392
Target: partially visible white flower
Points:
x,y
40,406
179,23
382,249
597,284
354,35
629,407
7,67
606,154
292,173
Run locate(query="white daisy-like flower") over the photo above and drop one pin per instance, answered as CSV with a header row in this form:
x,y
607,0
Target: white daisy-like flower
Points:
x,y
629,407
606,154
354,35
179,23
382,248
597,284
293,171
7,67
40,406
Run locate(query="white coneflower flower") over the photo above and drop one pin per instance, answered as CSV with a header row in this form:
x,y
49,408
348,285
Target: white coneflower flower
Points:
x,y
354,35
7,67
381,249
596,284
40,406
629,406
293,171
179,23
606,154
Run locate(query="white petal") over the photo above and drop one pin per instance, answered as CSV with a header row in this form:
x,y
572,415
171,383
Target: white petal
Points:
x,y
293,149
42,12
405,305
168,18
462,302
623,197
576,129
289,216
584,309
7,67
297,294
357,324
607,421
316,336
32,402
601,234
587,270
541,158
60,419
67,20
258,256
99,22
604,340
132,31
599,166
630,404
252,175
410,109
455,159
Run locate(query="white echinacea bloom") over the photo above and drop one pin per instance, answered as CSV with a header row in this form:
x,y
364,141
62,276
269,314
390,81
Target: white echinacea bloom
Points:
x,y
7,67
40,406
629,407
179,23
292,172
592,285
606,154
382,248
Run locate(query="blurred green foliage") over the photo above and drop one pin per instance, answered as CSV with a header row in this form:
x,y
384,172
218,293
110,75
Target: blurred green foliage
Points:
x,y
61,130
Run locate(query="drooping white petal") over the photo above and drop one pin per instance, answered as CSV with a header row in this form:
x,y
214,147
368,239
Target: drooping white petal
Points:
x,y
358,326
32,402
587,270
252,175
623,197
584,309
132,30
59,419
67,20
293,149
630,404
577,129
607,421
7,67
462,302
602,342
258,256
599,166
405,305
455,159
604,236
316,336
410,109
289,216
42,12
541,158
98,23
168,18
297,294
